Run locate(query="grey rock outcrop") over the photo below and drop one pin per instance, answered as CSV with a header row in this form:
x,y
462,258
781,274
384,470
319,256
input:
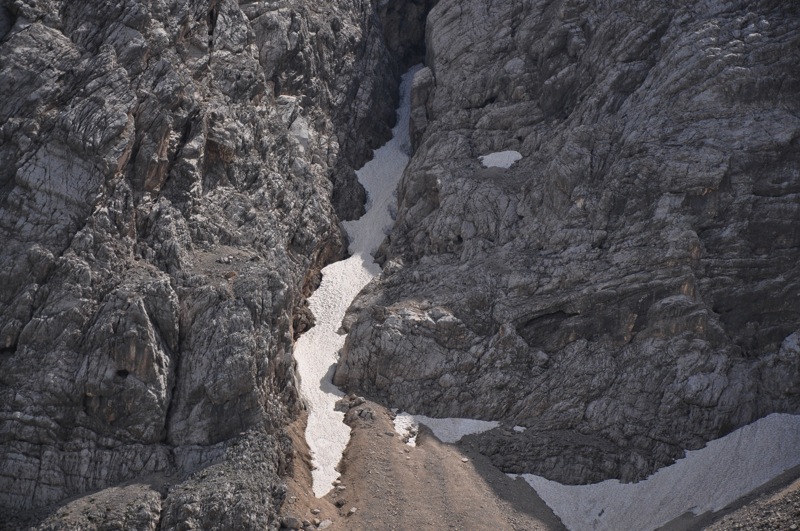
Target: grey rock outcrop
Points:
x,y
631,287
170,174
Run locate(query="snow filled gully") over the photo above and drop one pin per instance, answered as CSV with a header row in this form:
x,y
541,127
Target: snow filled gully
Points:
x,y
316,351
705,480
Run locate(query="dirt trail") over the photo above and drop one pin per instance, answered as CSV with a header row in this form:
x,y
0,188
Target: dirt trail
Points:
x,y
434,485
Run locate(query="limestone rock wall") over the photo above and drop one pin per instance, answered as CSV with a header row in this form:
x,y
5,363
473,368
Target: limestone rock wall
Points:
x,y
170,177
630,288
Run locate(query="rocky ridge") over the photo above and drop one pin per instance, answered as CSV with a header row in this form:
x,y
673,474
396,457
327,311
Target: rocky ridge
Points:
x,y
172,174
627,290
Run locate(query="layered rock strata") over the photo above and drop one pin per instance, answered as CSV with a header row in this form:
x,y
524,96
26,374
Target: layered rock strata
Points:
x,y
170,174
630,288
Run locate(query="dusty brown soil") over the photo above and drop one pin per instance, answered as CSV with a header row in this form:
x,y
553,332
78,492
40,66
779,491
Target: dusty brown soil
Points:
x,y
300,500
393,486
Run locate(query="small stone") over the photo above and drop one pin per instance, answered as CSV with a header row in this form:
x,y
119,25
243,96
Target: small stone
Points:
x,y
306,523
341,487
325,524
464,459
339,503
290,522
352,511
337,482
342,405
315,511
315,521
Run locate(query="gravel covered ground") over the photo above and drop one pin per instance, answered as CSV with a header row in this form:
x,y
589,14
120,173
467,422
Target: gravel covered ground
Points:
x,y
431,486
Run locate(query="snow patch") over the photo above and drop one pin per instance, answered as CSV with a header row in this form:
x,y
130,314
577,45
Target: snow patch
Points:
x,y
501,159
406,426
705,480
519,429
447,430
317,350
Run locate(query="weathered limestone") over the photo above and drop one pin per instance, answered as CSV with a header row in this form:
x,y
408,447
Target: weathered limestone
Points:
x,y
170,177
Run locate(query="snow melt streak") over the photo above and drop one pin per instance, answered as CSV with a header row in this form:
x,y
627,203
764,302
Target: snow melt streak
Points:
x,y
705,480
316,351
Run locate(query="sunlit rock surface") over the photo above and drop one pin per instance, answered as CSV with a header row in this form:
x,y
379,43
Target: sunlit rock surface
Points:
x,y
170,178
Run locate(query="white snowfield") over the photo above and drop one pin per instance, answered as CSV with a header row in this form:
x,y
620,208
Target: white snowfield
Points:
x,y
448,430
501,159
317,350
705,480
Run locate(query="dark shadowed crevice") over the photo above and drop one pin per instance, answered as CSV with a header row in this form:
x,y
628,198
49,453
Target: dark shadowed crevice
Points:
x,y
404,30
7,21
10,351
213,12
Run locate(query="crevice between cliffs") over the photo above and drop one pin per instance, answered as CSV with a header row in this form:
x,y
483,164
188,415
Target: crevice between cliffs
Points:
x,y
316,351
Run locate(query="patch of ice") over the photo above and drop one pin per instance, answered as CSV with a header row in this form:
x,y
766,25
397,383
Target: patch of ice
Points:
x,y
519,429
501,159
448,430
705,480
406,426
316,351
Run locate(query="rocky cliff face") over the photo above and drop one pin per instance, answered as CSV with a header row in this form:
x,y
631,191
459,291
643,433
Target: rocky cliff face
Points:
x,y
630,288
170,178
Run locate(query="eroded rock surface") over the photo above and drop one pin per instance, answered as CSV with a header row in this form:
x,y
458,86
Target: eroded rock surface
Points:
x,y
630,288
170,178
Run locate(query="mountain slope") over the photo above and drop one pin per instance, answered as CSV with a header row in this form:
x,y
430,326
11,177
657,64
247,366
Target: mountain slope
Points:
x,y
629,288
171,177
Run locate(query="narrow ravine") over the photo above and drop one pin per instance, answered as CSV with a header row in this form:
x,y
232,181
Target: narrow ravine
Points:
x,y
317,350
